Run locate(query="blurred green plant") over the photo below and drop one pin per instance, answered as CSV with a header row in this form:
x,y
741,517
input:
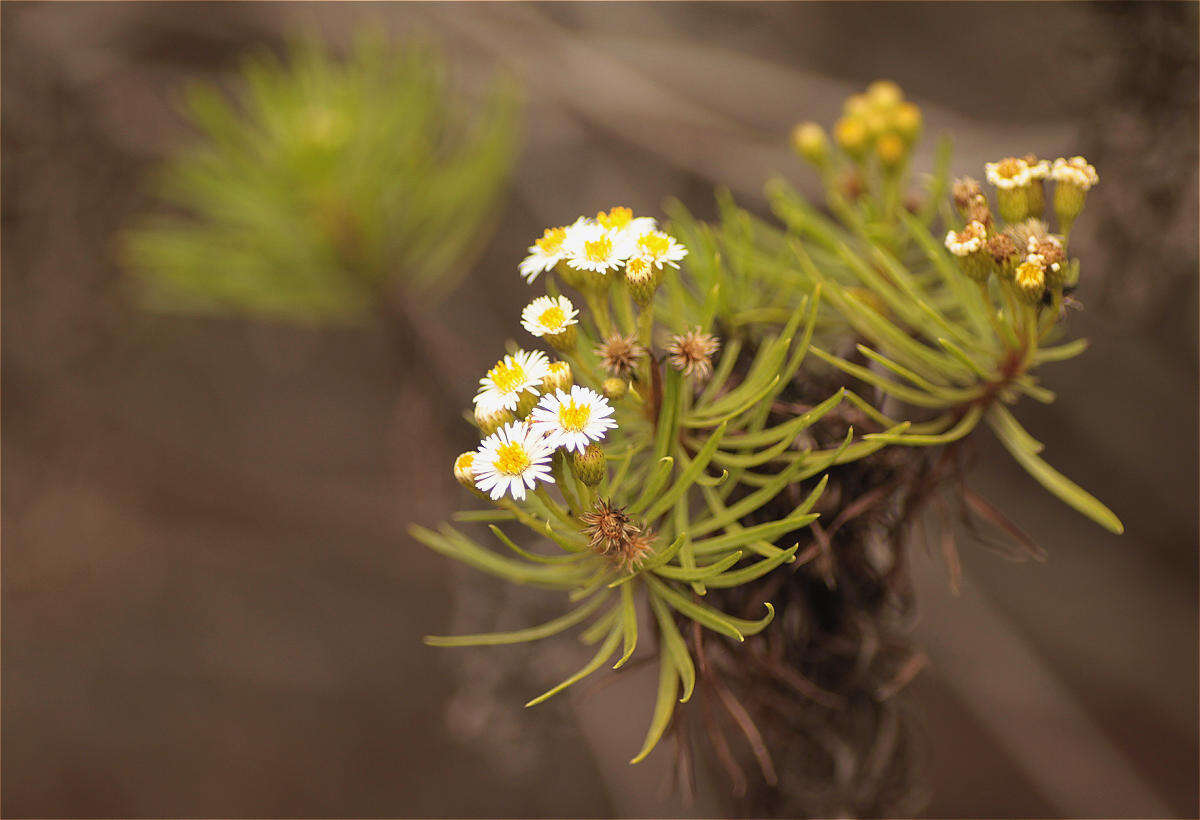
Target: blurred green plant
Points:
x,y
323,182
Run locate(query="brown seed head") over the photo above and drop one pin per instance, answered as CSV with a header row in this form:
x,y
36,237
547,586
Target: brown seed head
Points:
x,y
637,549
1001,247
979,211
608,529
1027,229
620,354
692,352
965,190
1049,248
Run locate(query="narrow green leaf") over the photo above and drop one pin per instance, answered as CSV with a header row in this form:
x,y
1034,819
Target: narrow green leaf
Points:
x,y
673,645
629,625
737,577
706,616
1054,481
664,706
964,426
532,633
699,573
602,655
688,477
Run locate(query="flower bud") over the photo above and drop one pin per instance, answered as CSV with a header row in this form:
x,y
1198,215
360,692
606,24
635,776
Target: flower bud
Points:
x,y
463,471
907,122
884,94
559,377
891,150
489,421
1030,279
642,277
852,135
979,211
809,141
1073,179
964,191
589,465
856,105
614,388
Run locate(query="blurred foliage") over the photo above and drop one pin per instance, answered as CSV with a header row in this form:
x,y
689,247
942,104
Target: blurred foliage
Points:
x,y
322,182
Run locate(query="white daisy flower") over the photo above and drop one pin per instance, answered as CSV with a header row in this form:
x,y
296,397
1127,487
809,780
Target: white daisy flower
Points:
x,y
573,419
1008,173
548,251
549,315
595,248
513,375
513,458
1075,171
659,249
624,224
968,240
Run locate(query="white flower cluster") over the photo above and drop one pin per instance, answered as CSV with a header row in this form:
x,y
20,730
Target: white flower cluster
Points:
x,y
968,240
603,244
517,454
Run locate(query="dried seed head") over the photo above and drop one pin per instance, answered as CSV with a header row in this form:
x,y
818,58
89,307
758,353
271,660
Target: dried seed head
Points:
x,y
964,191
979,211
1022,232
1001,248
692,352
608,529
620,354
637,549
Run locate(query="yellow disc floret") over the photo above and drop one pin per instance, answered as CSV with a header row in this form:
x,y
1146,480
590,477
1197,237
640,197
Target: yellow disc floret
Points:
x,y
572,416
552,240
616,218
599,250
507,375
511,459
553,317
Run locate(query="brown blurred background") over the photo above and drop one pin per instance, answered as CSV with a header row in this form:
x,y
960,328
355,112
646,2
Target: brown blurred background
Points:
x,y
210,604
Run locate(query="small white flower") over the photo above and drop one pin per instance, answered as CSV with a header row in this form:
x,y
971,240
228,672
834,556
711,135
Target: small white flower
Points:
x,y
1039,169
573,419
968,240
513,458
593,247
1074,171
1008,173
513,375
626,227
548,251
548,315
659,249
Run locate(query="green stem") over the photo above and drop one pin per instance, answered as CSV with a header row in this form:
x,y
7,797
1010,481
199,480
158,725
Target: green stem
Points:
x,y
555,507
597,301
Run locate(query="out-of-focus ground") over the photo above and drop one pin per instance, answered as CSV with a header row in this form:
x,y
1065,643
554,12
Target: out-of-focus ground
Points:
x,y
210,605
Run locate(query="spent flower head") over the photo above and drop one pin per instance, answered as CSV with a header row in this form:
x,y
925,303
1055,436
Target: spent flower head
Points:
x,y
620,354
691,353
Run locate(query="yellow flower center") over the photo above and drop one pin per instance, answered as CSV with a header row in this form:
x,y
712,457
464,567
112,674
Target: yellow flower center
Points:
x,y
507,377
553,317
654,244
552,240
574,417
637,267
598,251
616,218
1010,168
511,459
463,463
1030,275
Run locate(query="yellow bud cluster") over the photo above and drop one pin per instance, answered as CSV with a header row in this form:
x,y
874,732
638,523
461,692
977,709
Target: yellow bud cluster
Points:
x,y
879,121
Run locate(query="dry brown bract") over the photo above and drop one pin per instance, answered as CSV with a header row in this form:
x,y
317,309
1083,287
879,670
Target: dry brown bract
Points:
x,y
620,354
692,352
